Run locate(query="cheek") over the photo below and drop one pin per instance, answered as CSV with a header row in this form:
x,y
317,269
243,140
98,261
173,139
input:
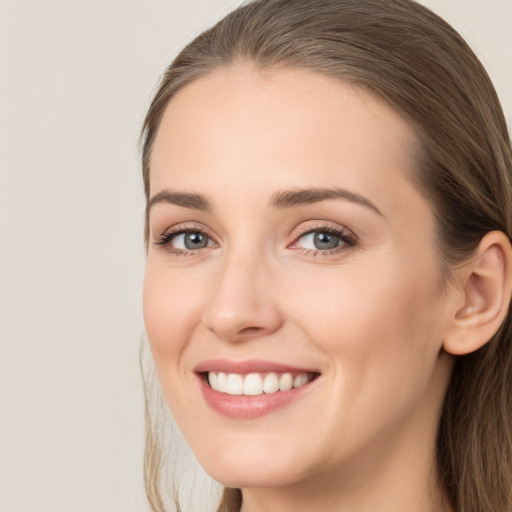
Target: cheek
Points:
x,y
370,323
382,337
171,311
355,311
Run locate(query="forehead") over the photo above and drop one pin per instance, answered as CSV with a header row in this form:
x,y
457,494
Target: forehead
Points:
x,y
243,123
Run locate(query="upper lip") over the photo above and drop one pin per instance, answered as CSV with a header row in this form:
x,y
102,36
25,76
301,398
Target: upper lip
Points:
x,y
249,366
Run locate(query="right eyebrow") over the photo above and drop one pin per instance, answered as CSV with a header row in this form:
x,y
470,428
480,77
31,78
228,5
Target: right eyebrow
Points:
x,y
184,199
301,197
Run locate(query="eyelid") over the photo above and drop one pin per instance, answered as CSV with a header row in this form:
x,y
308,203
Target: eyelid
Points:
x,y
179,227
347,237
322,225
164,239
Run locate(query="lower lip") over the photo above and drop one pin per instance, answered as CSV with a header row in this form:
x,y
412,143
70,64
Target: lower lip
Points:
x,y
249,407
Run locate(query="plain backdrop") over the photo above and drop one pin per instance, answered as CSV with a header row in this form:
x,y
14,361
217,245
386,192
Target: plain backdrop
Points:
x,y
76,77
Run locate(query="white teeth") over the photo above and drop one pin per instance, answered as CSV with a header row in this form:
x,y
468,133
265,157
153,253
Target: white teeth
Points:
x,y
222,382
254,384
271,383
235,384
286,382
213,380
300,380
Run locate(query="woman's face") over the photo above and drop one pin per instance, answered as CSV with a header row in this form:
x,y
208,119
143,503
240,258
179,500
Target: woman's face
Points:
x,y
288,247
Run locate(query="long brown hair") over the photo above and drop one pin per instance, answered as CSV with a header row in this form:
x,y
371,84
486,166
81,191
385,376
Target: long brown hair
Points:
x,y
418,64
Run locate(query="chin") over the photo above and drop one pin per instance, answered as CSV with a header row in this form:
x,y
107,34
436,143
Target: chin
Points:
x,y
245,470
252,477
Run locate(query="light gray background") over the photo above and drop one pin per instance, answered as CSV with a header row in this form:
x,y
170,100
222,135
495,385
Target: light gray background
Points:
x,y
75,81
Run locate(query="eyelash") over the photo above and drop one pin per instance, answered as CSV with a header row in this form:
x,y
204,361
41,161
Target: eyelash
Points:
x,y
347,240
164,240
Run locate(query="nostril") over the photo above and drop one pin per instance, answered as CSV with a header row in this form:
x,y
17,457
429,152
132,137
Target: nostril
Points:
x,y
235,318
251,330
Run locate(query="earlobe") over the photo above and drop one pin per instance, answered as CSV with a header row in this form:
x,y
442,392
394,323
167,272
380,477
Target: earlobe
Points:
x,y
487,288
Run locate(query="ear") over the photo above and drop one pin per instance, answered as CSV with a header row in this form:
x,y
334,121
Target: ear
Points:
x,y
486,287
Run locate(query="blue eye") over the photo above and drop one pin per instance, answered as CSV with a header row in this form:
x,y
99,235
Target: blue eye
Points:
x,y
325,239
189,241
185,240
320,240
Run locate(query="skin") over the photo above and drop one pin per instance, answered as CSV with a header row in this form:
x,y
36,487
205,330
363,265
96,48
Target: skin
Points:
x,y
370,316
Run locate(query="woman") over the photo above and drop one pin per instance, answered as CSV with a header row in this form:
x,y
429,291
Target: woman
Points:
x,y
329,262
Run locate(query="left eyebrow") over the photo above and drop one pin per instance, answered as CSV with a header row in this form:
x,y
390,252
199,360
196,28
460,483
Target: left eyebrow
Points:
x,y
302,197
184,199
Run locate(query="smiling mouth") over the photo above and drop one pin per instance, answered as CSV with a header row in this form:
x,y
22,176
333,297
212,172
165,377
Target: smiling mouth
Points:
x,y
255,384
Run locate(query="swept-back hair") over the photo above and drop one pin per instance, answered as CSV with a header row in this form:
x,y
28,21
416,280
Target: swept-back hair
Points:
x,y
414,61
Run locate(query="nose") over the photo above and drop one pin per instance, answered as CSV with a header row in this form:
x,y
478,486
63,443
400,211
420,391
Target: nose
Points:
x,y
242,304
